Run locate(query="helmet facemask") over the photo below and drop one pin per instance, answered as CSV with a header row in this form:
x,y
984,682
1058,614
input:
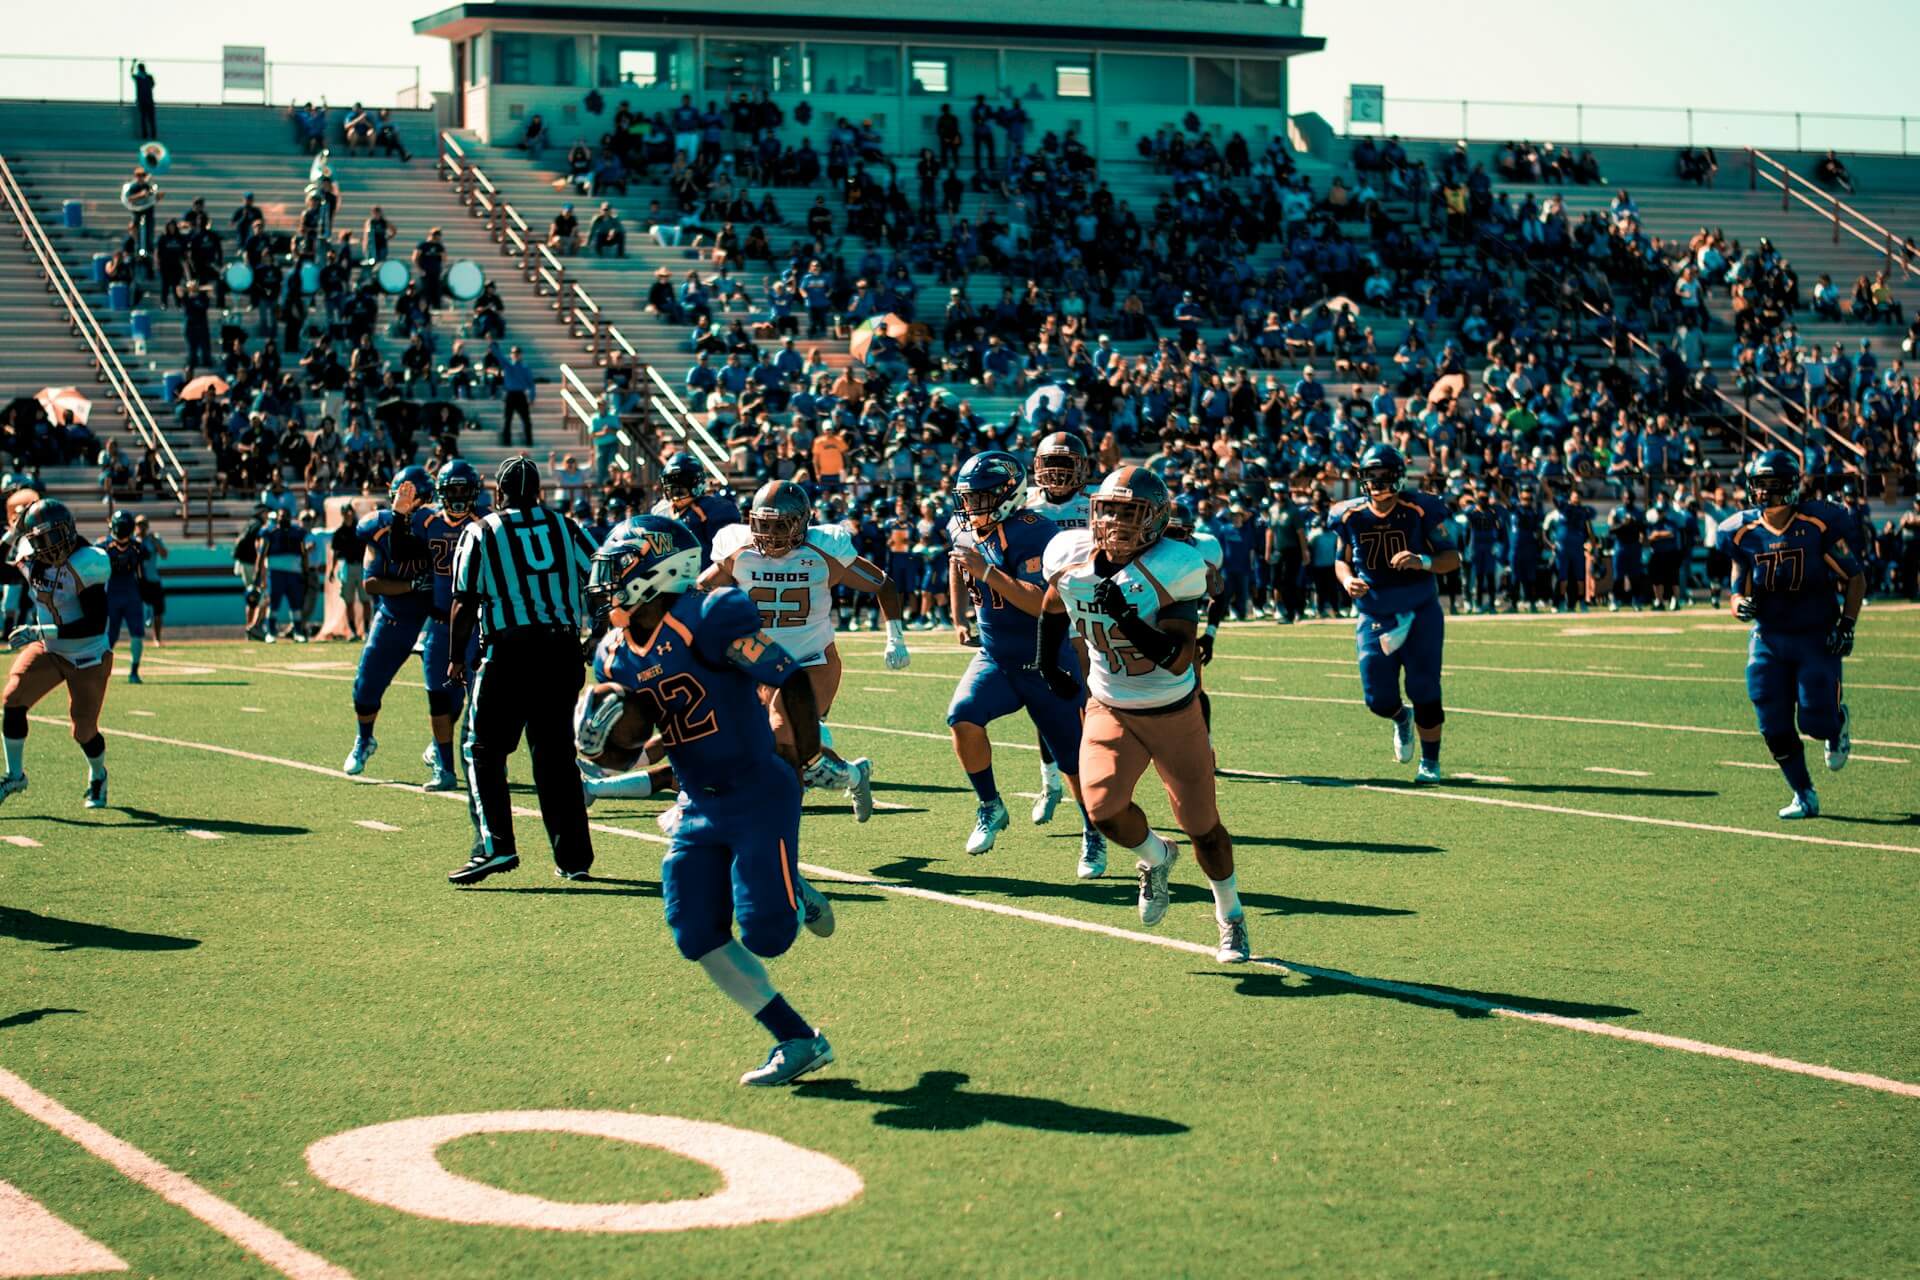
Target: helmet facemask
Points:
x,y
775,533
1060,471
1124,527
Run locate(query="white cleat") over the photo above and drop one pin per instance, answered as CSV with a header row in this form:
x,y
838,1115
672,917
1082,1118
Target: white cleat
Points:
x,y
95,796
1840,747
1050,795
860,788
1403,738
1234,947
12,785
1429,771
1806,804
790,1060
363,749
816,912
428,755
1153,886
990,819
1093,856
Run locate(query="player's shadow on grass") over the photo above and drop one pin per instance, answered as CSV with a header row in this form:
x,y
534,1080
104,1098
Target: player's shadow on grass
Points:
x,y
600,886
225,826
26,1016
1333,846
72,935
1427,995
1109,893
1910,820
829,808
938,1102
919,786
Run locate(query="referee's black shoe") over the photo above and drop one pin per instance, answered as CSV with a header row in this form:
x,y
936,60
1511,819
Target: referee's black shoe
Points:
x,y
483,864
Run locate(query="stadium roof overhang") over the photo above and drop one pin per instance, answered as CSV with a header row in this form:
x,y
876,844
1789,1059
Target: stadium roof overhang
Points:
x,y
460,21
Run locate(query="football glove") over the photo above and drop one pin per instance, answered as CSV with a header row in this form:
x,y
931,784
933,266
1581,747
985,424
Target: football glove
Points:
x,y
1110,598
1840,639
1062,684
895,654
1203,647
1743,608
593,721
423,581
21,637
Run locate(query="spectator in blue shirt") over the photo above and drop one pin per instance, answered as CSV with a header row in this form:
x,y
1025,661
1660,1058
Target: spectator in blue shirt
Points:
x,y
701,381
516,379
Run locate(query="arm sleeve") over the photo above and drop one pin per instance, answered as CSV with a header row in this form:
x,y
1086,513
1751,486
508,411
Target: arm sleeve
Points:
x,y
408,544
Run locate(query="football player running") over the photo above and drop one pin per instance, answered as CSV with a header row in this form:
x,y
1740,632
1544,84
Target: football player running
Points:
x,y
432,534
1797,581
1062,474
66,590
789,571
1393,546
684,482
1000,553
696,663
402,589
128,557
1133,595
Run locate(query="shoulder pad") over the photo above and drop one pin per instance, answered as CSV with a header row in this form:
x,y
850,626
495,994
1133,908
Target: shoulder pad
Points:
x,y
1181,569
731,540
1341,510
1210,549
372,524
1070,546
834,540
660,508
91,566
720,508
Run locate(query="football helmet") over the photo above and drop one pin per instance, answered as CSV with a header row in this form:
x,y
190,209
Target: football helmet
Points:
x,y
1129,512
1381,470
778,517
458,487
412,483
682,479
1773,479
49,532
121,526
1062,463
991,486
654,556
1183,517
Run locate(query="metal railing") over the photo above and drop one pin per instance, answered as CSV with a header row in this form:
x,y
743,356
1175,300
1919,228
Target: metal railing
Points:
x,y
84,326
1763,168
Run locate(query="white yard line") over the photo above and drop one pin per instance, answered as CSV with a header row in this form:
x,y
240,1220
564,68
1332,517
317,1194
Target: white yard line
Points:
x,y
1748,764
372,825
1623,773
22,842
256,1237
198,834
147,714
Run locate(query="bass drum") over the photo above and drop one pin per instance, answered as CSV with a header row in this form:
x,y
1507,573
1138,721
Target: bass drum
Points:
x,y
465,280
393,275
239,277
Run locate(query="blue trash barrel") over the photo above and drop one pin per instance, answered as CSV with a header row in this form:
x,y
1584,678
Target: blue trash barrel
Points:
x,y
70,214
100,261
171,384
119,296
142,321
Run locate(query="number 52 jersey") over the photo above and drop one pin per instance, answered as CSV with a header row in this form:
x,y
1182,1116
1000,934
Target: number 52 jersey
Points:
x,y
1164,581
793,592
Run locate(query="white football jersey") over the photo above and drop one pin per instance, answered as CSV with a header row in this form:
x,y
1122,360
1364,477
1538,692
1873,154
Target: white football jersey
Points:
x,y
795,591
55,591
1210,549
1165,573
1074,513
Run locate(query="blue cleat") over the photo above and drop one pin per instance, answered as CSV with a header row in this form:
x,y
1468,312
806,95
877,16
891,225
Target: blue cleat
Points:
x,y
791,1059
990,819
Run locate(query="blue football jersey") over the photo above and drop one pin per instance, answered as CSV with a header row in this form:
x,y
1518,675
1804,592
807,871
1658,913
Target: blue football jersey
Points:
x,y
1793,575
1017,546
706,515
441,532
1369,541
376,533
125,560
699,675
1576,522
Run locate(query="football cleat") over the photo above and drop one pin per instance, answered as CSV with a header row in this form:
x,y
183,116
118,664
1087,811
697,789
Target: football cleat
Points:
x,y
133,677
363,749
571,875
990,819
483,864
1806,804
429,755
1153,885
12,785
1840,746
791,1059
441,780
95,796
816,912
1093,856
1049,800
1429,771
1403,738
1234,947
860,788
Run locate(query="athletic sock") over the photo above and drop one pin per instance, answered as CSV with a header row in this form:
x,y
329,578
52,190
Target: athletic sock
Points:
x,y
444,750
637,785
1226,898
16,752
1086,820
781,1022
1430,751
365,728
983,784
1049,776
95,750
1793,763
739,973
1153,850
135,646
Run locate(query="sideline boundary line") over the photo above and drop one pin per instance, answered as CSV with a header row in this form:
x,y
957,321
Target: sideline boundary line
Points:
x,y
1656,1039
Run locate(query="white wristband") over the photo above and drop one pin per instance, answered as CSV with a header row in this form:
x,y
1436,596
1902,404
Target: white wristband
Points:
x,y
1426,562
1212,629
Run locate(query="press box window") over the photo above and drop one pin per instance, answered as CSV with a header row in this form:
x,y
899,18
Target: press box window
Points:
x,y
932,76
1072,80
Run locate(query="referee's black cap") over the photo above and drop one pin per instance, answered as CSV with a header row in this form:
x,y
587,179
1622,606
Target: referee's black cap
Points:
x,y
518,482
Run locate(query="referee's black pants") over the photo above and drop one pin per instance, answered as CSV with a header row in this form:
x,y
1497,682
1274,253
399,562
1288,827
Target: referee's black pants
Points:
x,y
528,681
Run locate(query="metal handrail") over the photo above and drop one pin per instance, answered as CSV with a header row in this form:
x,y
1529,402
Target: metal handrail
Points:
x,y
105,359
686,437
673,398
1857,450
1762,167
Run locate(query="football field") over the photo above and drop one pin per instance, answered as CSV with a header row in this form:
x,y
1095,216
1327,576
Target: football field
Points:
x,y
1588,1007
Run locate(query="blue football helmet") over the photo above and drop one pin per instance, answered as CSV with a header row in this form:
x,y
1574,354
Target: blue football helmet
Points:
x,y
653,556
121,526
1381,470
1773,479
682,478
991,486
1183,517
412,481
458,487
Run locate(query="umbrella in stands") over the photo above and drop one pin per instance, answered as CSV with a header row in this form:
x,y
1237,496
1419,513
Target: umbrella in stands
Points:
x,y
60,401
1451,386
1048,399
207,384
890,324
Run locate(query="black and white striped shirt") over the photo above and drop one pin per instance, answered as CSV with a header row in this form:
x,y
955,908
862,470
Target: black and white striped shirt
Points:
x,y
525,568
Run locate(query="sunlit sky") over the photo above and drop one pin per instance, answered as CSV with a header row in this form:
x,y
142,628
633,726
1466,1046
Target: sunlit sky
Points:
x,y
1839,56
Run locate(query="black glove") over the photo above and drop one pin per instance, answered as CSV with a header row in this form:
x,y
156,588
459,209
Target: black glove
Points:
x,y
1840,639
1110,598
1744,609
1062,684
1203,648
423,582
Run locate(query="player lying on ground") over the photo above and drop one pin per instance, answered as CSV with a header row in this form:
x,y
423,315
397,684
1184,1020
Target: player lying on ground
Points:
x,y
694,663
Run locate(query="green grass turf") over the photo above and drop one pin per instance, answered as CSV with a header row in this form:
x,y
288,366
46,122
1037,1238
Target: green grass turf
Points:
x,y
1019,1098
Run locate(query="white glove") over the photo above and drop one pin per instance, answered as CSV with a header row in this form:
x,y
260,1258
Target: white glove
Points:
x,y
21,637
593,721
895,653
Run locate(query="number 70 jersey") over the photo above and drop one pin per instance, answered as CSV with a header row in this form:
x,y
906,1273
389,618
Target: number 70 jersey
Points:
x,y
1158,581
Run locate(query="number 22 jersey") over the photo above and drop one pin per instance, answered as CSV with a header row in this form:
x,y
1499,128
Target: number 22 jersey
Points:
x,y
1163,581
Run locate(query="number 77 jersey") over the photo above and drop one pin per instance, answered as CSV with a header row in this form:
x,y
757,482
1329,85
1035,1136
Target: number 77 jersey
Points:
x,y
1167,580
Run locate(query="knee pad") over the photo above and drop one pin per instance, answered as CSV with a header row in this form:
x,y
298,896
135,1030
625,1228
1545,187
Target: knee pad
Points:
x,y
442,702
1783,746
768,937
1775,720
1820,722
1384,709
13,722
694,940
1429,715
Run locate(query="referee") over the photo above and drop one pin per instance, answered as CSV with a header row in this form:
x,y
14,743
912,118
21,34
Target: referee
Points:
x,y
518,575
